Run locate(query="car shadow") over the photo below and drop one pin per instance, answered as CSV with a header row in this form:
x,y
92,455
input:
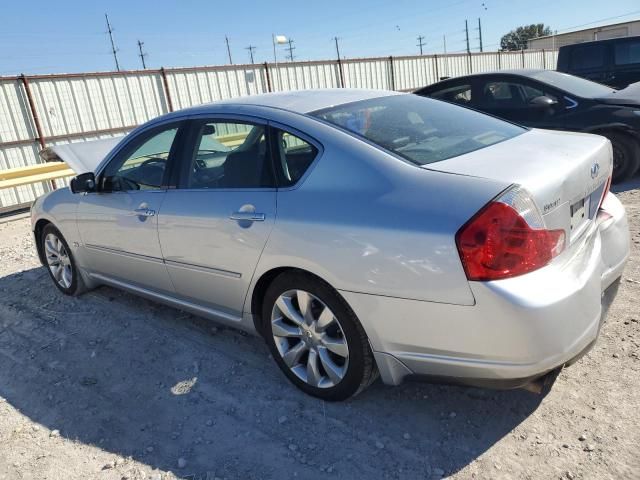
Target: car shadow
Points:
x,y
139,379
631,184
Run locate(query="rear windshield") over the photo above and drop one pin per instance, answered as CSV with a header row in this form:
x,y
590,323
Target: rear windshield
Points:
x,y
421,130
574,85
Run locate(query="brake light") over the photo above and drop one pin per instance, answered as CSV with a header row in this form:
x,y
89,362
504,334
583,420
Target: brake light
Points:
x,y
507,238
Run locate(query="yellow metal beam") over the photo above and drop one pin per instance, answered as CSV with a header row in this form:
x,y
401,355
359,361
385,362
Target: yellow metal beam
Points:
x,y
16,177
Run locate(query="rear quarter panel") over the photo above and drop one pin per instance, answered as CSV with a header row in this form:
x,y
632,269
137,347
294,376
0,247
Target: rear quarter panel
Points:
x,y
367,222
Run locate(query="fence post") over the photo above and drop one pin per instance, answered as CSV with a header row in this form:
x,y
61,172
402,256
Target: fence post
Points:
x,y
36,119
522,52
266,72
435,58
392,79
34,112
167,92
470,62
544,60
499,61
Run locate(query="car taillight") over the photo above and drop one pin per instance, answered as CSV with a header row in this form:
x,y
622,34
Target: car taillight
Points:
x,y
507,238
605,191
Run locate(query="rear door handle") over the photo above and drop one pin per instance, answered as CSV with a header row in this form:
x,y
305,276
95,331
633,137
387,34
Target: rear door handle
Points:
x,y
248,216
144,212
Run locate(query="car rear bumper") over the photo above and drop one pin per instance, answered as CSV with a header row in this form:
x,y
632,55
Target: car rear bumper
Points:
x,y
518,330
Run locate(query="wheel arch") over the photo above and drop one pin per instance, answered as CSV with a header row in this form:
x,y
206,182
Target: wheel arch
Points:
x,y
37,232
255,301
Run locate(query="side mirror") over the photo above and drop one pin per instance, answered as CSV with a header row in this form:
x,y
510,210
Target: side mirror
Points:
x,y
83,183
542,102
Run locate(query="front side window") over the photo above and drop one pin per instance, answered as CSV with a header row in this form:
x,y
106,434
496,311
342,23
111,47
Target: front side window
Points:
x,y
229,155
421,130
627,53
296,156
142,164
511,94
458,94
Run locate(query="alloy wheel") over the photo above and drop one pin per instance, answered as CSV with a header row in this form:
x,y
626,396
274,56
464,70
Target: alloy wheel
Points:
x,y
309,338
58,261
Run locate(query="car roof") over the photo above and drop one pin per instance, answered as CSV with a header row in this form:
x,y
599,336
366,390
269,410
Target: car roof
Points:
x,y
298,101
592,42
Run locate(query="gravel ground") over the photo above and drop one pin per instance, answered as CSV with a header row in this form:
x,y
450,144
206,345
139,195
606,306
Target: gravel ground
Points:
x,y
110,386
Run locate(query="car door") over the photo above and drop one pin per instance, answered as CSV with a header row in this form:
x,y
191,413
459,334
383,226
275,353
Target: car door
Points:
x,y
118,224
626,60
214,226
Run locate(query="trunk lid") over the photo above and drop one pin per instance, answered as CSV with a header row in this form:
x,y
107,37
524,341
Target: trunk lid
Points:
x,y
629,96
566,173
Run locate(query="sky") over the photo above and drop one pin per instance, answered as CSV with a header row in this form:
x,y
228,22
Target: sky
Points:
x,y
71,36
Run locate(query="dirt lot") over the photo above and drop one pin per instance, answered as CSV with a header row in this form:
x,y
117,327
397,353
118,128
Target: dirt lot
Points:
x,y
109,386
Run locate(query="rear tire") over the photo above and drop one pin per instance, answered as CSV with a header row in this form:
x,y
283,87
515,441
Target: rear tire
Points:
x,y
60,262
626,156
307,322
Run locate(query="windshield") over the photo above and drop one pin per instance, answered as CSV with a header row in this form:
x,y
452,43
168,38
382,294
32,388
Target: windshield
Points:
x,y
421,130
574,85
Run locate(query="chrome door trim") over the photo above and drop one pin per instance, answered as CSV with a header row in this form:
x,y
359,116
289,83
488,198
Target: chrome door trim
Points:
x,y
200,268
122,253
167,299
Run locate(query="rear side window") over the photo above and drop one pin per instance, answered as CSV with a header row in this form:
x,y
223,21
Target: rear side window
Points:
x,y
419,129
458,94
626,53
583,58
296,156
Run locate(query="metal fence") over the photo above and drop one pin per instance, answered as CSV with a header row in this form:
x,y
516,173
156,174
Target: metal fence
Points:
x,y
43,110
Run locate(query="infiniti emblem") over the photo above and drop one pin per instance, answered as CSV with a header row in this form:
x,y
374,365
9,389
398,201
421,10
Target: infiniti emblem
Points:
x,y
595,168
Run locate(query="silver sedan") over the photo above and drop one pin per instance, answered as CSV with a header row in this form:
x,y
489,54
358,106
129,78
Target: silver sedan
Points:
x,y
360,232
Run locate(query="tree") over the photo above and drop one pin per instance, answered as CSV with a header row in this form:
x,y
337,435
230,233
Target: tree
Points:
x,y
517,39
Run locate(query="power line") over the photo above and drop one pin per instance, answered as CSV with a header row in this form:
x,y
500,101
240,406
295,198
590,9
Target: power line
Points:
x,y
251,49
226,39
114,50
421,43
142,54
291,48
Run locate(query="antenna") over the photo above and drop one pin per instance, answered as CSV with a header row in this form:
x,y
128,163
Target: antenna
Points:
x,y
114,50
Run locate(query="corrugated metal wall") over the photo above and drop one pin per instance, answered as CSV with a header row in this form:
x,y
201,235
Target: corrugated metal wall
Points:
x,y
80,107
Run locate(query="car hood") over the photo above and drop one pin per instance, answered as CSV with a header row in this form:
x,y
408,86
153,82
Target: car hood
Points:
x,y
81,157
627,96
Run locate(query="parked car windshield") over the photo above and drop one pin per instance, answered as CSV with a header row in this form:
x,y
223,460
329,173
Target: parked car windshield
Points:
x,y
421,130
575,85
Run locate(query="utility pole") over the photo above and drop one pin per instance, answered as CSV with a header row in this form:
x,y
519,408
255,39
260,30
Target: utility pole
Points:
x,y
114,50
444,43
466,29
251,49
337,48
226,39
142,54
421,43
291,48
480,33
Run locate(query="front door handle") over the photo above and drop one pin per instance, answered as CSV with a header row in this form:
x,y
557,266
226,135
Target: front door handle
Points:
x,y
144,212
247,216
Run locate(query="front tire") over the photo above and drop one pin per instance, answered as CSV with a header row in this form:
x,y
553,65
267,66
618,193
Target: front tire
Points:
x,y
60,262
315,338
626,156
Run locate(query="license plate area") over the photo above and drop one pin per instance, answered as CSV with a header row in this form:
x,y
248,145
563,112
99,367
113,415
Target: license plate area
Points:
x,y
580,213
